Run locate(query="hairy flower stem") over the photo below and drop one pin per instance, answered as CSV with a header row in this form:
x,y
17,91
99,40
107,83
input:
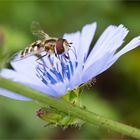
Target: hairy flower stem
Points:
x,y
70,109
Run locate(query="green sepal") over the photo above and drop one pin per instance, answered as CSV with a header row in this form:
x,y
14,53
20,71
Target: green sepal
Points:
x,y
88,84
57,118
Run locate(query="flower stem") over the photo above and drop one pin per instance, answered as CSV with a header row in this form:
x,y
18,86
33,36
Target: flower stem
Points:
x,y
70,109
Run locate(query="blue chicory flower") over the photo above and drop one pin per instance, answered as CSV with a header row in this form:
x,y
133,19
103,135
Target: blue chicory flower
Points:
x,y
55,76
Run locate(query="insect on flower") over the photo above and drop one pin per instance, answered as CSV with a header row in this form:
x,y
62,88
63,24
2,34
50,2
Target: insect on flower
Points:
x,y
46,45
56,76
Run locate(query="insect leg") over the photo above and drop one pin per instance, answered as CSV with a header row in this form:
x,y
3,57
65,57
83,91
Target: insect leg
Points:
x,y
40,57
67,56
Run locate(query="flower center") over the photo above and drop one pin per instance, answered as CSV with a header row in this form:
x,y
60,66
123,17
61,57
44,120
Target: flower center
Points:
x,y
52,70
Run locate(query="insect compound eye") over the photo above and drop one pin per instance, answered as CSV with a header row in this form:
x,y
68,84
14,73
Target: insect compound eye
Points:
x,y
59,46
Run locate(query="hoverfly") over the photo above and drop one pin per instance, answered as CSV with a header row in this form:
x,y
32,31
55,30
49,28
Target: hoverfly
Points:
x,y
47,44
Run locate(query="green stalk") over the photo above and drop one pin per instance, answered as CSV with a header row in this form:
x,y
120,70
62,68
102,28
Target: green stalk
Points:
x,y
70,109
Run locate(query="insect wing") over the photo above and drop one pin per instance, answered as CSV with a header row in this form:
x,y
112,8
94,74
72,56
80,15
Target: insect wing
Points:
x,y
37,31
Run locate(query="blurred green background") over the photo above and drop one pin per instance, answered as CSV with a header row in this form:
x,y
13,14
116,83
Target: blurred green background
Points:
x,y
116,94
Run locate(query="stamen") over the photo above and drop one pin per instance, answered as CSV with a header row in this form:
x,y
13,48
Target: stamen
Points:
x,y
44,81
54,69
52,80
74,52
71,67
57,74
76,64
68,72
84,61
63,69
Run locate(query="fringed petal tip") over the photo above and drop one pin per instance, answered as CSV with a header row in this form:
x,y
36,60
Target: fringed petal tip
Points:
x,y
135,42
94,65
110,40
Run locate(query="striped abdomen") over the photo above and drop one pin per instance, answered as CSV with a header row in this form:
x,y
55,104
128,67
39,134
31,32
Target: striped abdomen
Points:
x,y
34,48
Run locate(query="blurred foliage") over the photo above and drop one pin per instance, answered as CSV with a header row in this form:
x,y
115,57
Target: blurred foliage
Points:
x,y
116,93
